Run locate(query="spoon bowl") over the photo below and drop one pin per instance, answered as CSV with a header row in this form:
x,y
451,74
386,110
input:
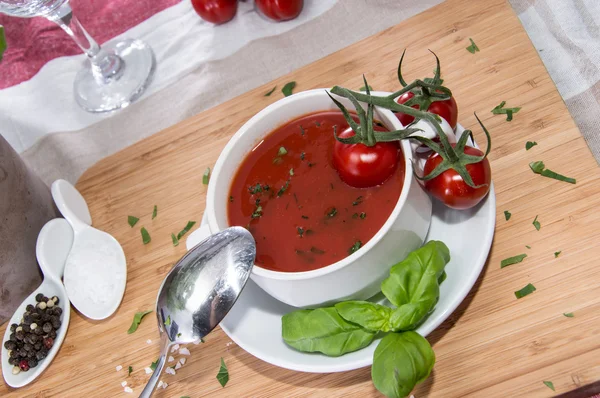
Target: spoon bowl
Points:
x,y
201,289
53,246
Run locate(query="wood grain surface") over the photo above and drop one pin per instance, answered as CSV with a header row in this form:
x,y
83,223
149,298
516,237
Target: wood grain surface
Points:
x,y
492,346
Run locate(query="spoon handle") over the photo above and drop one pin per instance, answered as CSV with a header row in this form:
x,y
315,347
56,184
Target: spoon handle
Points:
x,y
149,389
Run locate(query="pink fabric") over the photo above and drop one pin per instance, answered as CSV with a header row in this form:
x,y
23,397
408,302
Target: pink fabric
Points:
x,y
34,41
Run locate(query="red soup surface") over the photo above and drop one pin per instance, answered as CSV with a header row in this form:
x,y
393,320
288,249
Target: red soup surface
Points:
x,y
289,196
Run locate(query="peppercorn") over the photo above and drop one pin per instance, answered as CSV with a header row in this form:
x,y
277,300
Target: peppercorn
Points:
x,y
41,354
13,327
29,308
47,327
27,347
27,328
57,311
37,345
24,365
48,342
39,297
38,331
55,299
13,353
22,353
55,322
52,334
33,362
10,345
12,337
20,335
27,319
35,316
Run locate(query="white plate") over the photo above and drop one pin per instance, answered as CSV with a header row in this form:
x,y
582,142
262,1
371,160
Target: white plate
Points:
x,y
254,322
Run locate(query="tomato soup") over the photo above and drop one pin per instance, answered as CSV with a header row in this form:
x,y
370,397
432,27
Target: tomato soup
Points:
x,y
301,214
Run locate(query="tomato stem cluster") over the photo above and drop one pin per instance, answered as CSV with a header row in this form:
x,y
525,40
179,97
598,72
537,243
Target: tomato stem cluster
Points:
x,y
431,90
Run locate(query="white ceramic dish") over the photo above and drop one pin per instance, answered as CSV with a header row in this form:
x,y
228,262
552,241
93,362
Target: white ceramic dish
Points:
x,y
254,323
53,246
357,276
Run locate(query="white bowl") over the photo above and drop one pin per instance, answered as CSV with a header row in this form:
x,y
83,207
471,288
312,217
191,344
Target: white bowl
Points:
x,y
357,276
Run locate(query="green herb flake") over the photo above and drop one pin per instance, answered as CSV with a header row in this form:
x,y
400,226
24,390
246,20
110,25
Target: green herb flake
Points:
x,y
556,254
529,145
569,314
168,321
257,212
305,217
3,45
231,199
206,176
527,290
288,88
283,188
316,250
145,236
302,155
357,245
186,229
300,231
512,260
154,212
292,171
282,151
536,223
332,212
355,215
302,131
358,201
507,215
527,246
473,47
174,239
364,88
137,319
254,189
131,220
153,365
539,168
363,215
223,375
270,91
549,385
129,370
187,396
501,110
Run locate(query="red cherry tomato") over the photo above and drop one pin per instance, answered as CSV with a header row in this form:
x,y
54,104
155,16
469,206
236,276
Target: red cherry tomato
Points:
x,y
448,109
280,10
362,166
216,11
450,188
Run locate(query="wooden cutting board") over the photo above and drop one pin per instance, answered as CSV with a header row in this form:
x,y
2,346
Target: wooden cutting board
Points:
x,y
492,346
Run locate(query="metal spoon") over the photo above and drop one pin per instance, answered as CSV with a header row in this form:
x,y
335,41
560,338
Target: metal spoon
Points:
x,y
200,290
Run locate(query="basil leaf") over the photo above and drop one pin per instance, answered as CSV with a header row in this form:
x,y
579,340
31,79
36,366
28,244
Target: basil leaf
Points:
x,y
536,223
473,47
185,229
512,260
501,110
145,236
223,375
371,316
3,45
550,385
527,246
174,239
539,168
529,145
137,318
270,91
206,176
154,212
507,215
556,254
153,365
357,245
288,88
569,314
413,284
130,369
525,291
131,220
364,88
323,330
401,361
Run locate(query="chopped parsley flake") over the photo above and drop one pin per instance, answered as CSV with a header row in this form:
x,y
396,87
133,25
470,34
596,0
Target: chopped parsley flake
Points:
x,y
473,47
536,223
270,91
357,245
131,220
507,215
332,212
288,88
512,260
530,144
569,314
206,176
300,231
556,254
145,236
525,291
358,201
282,151
550,385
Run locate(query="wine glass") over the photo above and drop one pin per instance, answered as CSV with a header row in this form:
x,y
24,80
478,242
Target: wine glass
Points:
x,y
114,76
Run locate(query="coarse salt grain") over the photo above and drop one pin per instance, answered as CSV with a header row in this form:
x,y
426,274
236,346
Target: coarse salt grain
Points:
x,y
182,360
184,351
171,359
228,344
119,367
178,366
175,348
128,390
148,370
170,371
160,383
123,383
165,385
149,341
197,341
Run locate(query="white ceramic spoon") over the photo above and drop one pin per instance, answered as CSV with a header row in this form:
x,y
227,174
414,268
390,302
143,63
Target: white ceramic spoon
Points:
x,y
96,269
53,246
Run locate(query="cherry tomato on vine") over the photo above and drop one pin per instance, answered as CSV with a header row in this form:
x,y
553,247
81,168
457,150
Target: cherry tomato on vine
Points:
x,y
363,166
448,109
216,11
280,10
450,188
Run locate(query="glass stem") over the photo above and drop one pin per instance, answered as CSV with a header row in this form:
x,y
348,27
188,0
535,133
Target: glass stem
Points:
x,y
105,67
